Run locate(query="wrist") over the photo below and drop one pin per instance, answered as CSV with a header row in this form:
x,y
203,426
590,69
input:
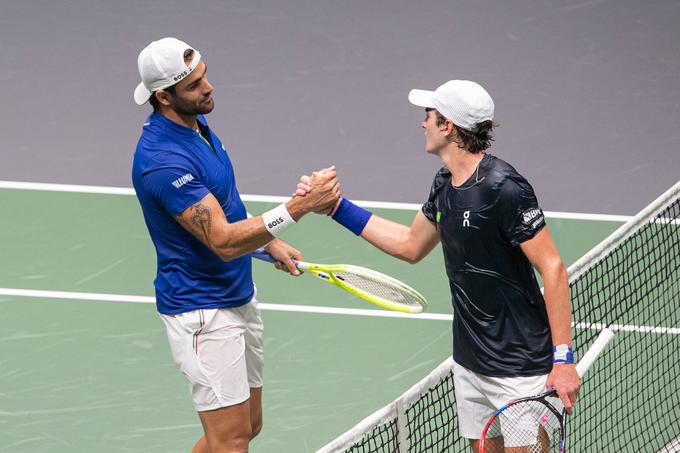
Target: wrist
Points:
x,y
351,216
277,220
563,354
296,208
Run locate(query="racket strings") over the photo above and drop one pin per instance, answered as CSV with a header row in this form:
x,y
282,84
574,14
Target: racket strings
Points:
x,y
379,288
527,426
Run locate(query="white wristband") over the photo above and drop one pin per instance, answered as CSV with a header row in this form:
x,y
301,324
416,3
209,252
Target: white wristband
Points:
x,y
277,220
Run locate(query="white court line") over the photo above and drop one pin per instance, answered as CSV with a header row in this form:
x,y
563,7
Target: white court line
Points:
x,y
270,307
308,309
279,199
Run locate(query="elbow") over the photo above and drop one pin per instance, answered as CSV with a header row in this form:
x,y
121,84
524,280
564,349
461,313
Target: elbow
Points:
x,y
226,252
563,271
224,255
412,257
558,271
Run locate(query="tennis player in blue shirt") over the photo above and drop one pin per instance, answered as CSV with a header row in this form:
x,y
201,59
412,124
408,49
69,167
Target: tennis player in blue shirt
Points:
x,y
186,187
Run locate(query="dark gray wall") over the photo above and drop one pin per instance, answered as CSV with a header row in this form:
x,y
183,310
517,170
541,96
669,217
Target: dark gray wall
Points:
x,y
586,93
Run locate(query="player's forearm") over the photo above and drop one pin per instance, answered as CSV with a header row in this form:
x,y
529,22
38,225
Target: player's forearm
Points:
x,y
558,306
238,238
390,237
206,221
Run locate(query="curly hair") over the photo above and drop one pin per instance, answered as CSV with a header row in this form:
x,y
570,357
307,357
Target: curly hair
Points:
x,y
473,141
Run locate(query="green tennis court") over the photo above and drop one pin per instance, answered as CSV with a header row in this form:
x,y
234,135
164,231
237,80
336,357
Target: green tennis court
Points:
x,y
92,372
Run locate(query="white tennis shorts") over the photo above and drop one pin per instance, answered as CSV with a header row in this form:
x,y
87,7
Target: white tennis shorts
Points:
x,y
220,353
478,397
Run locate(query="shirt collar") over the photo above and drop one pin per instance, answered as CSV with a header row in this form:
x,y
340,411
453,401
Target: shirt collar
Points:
x,y
167,123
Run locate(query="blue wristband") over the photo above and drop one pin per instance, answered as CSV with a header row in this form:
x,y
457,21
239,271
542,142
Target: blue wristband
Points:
x,y
563,353
351,216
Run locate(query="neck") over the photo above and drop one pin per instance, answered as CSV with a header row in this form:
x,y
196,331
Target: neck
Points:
x,y
461,163
181,119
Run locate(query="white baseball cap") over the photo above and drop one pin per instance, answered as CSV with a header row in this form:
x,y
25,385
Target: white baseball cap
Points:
x,y
161,64
463,102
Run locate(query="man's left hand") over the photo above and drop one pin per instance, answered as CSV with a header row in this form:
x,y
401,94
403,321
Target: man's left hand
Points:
x,y
284,254
565,380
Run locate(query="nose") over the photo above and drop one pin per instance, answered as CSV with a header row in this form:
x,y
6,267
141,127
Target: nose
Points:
x,y
208,88
422,124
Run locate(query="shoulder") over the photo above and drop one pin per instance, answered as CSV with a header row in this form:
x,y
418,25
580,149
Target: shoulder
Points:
x,y
158,154
430,207
442,177
504,179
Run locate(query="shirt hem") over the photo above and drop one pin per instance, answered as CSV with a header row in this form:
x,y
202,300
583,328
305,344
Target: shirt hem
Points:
x,y
207,306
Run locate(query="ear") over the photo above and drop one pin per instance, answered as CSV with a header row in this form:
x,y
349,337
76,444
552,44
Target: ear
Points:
x,y
163,97
448,128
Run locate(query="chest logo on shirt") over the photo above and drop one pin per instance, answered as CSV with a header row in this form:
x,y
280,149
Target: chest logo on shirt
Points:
x,y
439,216
179,182
466,218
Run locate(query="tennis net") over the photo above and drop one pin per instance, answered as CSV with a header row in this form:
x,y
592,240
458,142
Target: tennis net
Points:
x,y
628,403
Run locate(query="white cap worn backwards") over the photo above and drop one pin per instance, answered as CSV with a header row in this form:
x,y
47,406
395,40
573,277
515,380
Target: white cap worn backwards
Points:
x,y
162,64
463,102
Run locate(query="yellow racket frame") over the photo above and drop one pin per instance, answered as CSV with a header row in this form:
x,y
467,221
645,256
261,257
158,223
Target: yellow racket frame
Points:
x,y
326,272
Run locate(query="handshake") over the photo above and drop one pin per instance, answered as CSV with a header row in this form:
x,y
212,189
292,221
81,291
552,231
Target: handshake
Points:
x,y
319,193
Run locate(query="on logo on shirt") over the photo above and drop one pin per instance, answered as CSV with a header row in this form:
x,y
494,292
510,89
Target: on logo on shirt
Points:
x,y
179,182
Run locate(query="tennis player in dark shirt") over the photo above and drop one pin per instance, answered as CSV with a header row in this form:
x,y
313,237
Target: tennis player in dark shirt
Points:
x,y
509,340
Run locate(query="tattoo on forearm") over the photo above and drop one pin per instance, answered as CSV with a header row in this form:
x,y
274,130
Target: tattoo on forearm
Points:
x,y
201,217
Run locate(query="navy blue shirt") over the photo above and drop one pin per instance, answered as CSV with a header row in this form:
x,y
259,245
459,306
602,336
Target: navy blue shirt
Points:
x,y
500,324
174,167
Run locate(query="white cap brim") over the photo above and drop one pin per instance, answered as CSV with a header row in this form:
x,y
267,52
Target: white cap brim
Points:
x,y
142,94
421,98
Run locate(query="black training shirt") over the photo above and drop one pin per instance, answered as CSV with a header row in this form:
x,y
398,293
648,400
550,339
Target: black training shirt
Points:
x,y
500,325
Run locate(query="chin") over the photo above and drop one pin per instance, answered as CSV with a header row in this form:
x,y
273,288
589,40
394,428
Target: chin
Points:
x,y
207,109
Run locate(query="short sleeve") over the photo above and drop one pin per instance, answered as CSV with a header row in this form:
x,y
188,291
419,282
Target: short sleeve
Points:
x,y
520,216
174,188
431,206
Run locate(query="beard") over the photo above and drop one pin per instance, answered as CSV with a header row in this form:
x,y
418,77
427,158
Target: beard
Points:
x,y
192,107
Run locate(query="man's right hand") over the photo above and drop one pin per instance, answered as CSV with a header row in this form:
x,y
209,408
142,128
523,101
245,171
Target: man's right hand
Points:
x,y
322,196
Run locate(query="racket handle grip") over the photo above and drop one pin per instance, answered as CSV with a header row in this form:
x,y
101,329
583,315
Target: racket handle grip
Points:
x,y
261,254
594,351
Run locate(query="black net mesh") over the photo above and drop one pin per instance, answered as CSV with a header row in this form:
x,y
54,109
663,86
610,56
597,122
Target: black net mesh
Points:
x,y
630,398
382,438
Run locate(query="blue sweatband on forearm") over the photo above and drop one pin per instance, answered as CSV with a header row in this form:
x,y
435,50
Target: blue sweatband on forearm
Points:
x,y
351,216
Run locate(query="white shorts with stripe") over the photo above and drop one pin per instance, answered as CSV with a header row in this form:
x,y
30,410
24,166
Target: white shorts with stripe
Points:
x,y
478,397
220,353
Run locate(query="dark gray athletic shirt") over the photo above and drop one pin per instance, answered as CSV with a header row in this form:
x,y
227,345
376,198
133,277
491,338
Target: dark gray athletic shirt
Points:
x,y
500,324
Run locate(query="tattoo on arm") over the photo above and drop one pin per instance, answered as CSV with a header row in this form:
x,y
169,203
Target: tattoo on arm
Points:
x,y
202,218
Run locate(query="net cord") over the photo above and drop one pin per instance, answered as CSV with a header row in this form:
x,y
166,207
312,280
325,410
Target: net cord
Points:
x,y
605,247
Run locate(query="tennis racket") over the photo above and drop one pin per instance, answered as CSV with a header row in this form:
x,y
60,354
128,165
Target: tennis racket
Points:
x,y
375,287
536,424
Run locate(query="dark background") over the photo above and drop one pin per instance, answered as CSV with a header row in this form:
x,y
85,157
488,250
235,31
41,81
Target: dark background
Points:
x,y
586,93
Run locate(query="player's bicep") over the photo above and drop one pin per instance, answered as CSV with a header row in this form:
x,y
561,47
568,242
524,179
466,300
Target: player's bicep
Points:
x,y
542,252
205,220
423,235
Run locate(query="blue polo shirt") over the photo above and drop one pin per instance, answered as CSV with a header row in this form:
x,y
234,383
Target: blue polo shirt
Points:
x,y
174,167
